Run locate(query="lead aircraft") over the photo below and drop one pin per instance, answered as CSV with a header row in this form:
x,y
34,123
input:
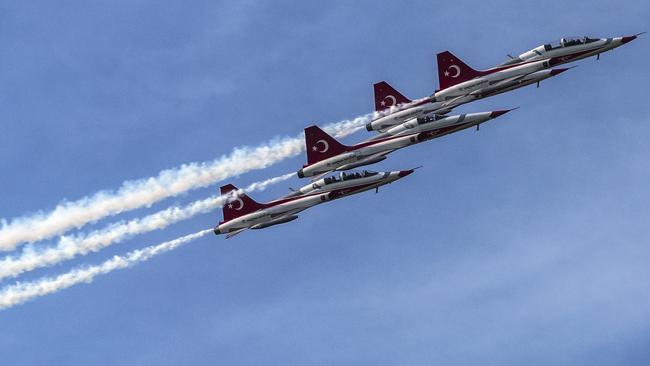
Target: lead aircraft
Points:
x,y
458,80
460,83
571,49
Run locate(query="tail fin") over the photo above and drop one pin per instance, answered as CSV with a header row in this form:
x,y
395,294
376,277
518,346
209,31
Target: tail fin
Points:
x,y
239,206
386,96
320,145
452,71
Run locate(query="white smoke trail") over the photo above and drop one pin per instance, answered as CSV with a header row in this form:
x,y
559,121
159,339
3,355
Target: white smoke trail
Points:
x,y
21,292
69,247
145,192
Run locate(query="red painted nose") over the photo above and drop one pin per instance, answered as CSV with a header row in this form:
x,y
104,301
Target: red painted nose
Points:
x,y
404,173
626,39
558,71
496,114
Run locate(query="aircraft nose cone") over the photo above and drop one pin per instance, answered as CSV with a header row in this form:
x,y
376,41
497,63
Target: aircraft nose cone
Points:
x,y
404,173
558,71
496,114
626,39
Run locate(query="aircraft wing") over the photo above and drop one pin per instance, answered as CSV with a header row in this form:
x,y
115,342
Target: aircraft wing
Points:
x,y
371,159
448,105
499,84
278,219
511,79
233,233
289,213
366,161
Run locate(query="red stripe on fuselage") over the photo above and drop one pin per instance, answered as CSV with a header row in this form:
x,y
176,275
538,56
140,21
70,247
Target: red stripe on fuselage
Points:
x,y
338,193
431,133
562,58
424,136
290,199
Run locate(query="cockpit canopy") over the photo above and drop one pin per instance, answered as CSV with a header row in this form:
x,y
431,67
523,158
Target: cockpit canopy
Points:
x,y
429,119
568,42
349,176
539,52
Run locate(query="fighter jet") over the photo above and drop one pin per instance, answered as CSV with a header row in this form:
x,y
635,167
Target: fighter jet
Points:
x,y
571,49
458,80
392,107
242,212
325,154
451,96
460,84
443,124
343,181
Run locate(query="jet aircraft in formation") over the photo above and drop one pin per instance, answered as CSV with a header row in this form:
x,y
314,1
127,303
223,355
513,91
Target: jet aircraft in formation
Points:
x,y
325,154
242,212
401,122
461,84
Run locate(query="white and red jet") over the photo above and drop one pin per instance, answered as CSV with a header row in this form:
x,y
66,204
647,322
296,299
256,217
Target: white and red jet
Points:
x,y
458,80
242,212
459,84
343,181
326,154
571,49
392,107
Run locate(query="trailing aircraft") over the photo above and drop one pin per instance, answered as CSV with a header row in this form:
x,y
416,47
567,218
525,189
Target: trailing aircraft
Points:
x,y
325,154
242,212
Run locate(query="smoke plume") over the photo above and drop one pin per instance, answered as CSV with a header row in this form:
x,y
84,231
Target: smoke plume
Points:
x,y
145,192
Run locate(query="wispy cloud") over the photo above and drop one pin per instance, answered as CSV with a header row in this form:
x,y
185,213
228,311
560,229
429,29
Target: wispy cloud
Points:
x,y
168,183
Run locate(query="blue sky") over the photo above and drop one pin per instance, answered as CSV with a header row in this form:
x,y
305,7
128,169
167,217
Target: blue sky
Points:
x,y
527,242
